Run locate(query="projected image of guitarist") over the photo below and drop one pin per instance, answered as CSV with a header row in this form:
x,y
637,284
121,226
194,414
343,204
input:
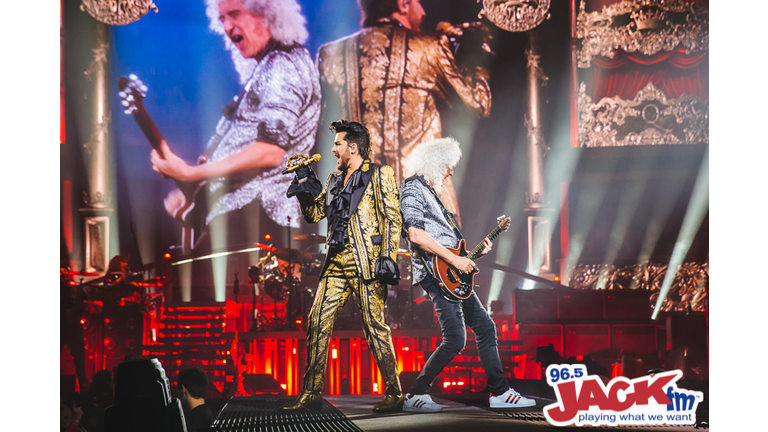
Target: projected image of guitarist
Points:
x,y
273,117
442,266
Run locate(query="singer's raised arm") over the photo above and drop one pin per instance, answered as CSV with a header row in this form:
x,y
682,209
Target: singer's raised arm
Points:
x,y
310,192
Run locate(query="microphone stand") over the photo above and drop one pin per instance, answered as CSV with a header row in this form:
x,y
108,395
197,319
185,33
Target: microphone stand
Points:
x,y
253,279
289,279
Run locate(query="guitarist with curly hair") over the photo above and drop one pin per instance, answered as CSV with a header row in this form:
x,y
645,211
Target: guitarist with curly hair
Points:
x,y
445,272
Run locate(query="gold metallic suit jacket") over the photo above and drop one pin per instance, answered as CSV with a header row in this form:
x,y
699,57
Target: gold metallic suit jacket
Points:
x,y
388,77
374,225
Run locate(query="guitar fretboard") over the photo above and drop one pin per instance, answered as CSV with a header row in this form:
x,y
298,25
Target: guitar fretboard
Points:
x,y
491,236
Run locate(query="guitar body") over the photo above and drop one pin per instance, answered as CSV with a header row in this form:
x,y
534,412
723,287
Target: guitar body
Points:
x,y
455,285
191,214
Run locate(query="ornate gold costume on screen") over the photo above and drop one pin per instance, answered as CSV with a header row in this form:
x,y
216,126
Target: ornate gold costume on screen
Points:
x,y
388,77
374,232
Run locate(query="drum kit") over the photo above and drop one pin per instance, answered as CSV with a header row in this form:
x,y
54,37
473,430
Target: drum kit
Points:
x,y
110,295
288,276
116,289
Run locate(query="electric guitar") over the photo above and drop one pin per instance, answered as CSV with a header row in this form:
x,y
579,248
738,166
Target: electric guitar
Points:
x,y
455,285
132,92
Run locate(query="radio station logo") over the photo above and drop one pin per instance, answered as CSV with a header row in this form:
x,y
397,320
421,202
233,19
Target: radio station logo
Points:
x,y
584,400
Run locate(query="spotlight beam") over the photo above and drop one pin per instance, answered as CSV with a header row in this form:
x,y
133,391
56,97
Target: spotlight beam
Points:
x,y
697,209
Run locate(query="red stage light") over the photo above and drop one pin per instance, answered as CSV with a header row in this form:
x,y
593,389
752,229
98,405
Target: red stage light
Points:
x,y
167,255
616,370
334,353
267,237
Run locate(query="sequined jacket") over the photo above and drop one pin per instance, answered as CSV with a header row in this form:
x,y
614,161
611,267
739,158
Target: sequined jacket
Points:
x,y
422,209
388,78
280,105
376,222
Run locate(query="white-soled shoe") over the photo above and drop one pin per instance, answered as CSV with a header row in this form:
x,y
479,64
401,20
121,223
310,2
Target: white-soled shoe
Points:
x,y
510,399
421,403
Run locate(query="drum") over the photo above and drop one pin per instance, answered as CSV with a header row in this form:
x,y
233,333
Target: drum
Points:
x,y
273,280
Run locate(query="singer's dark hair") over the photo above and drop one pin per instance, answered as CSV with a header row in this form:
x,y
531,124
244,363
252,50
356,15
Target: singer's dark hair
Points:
x,y
355,133
374,10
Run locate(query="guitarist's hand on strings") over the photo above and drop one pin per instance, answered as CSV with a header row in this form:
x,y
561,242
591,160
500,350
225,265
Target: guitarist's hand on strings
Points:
x,y
463,264
466,265
167,164
487,245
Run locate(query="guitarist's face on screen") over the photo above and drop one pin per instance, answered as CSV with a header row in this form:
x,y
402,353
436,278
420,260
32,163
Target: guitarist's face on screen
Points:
x,y
247,31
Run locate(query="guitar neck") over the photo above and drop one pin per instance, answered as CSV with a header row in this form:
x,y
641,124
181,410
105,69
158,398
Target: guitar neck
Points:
x,y
147,125
479,248
149,128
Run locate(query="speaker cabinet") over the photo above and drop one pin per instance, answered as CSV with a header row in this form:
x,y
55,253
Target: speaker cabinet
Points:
x,y
581,304
690,333
637,339
535,305
533,336
627,304
586,340
123,331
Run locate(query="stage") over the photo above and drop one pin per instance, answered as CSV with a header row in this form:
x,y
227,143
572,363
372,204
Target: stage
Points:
x,y
588,148
461,412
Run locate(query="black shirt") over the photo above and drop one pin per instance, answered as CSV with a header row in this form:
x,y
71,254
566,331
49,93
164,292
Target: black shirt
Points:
x,y
199,418
339,210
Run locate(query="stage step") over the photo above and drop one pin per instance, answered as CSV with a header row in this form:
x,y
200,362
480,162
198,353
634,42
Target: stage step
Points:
x,y
192,335
180,333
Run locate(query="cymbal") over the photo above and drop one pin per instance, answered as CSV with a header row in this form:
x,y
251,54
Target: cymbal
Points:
x,y
292,255
309,238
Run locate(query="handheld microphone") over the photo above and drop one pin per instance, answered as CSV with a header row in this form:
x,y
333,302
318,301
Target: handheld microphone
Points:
x,y
314,159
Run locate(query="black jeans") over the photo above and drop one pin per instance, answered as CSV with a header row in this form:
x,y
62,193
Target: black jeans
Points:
x,y
454,317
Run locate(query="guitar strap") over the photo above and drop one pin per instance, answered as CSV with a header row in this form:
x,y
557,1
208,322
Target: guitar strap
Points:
x,y
448,215
229,112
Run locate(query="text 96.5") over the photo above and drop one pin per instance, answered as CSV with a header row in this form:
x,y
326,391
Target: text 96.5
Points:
x,y
561,373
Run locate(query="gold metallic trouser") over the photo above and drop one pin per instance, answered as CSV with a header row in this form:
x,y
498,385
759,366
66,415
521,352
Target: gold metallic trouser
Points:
x,y
340,279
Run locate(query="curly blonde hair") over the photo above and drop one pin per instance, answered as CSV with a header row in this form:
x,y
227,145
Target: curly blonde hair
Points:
x,y
285,21
430,159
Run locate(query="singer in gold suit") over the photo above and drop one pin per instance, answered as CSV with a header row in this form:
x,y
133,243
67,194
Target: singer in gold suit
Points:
x,y
361,203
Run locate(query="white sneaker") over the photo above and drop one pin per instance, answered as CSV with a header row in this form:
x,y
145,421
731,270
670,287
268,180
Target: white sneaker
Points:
x,y
421,403
510,399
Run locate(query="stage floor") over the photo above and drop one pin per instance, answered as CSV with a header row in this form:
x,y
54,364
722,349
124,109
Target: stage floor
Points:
x,y
465,412
353,413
